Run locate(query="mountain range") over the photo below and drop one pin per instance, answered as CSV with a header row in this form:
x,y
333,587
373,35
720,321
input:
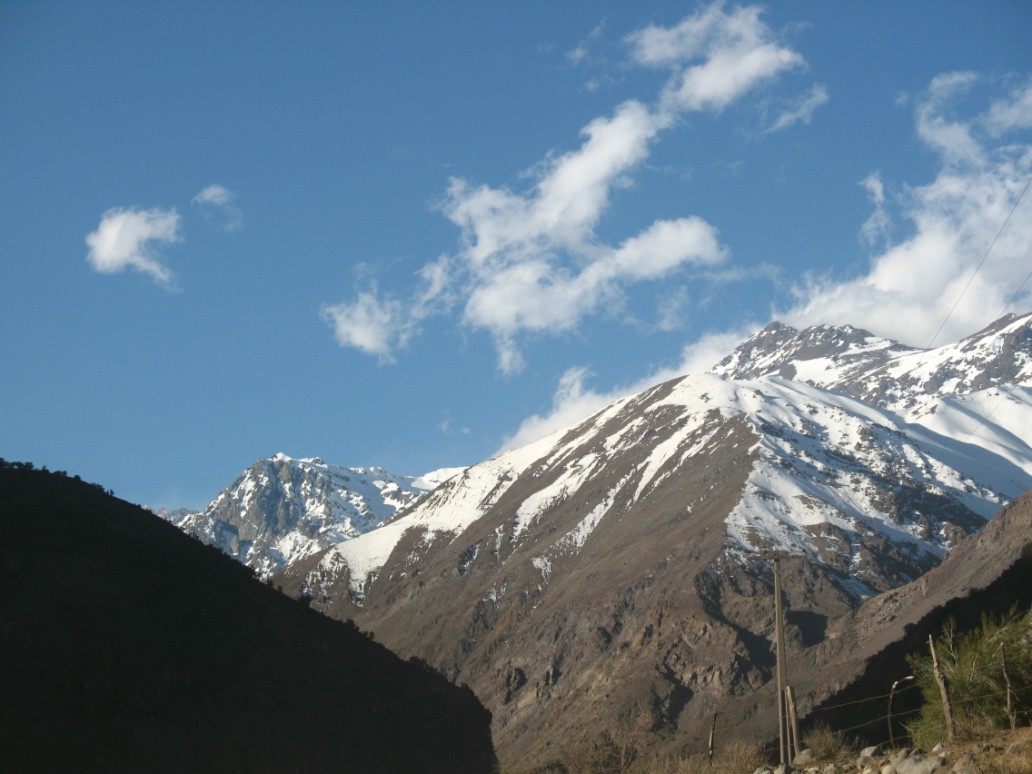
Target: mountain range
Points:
x,y
604,583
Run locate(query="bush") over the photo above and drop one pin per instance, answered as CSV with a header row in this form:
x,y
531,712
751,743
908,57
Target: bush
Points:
x,y
972,665
824,742
738,757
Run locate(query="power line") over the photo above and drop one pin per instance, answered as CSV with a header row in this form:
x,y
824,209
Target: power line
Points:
x,y
1028,254
980,263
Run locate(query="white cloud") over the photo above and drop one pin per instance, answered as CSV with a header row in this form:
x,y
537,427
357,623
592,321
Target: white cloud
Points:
x,y
221,199
380,325
533,295
373,325
1013,112
214,194
574,402
128,238
912,285
951,138
570,404
802,109
664,246
943,281
532,261
722,79
563,207
875,229
732,54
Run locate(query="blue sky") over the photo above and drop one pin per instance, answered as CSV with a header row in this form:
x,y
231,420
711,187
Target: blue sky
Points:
x,y
413,234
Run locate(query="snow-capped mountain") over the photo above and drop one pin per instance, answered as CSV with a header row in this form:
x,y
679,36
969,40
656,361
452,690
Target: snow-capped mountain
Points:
x,y
282,509
821,460
883,373
605,574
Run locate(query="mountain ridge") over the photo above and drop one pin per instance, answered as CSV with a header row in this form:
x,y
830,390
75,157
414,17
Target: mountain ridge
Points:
x,y
600,578
281,509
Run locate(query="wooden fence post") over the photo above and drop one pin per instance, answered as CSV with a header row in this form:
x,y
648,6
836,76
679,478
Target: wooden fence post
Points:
x,y
947,708
892,692
793,723
1010,706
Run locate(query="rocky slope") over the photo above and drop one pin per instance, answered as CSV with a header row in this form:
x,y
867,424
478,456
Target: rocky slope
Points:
x,y
281,509
602,580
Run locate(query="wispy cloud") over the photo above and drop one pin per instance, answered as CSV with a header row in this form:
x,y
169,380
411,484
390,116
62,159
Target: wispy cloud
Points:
x,y
130,239
218,199
875,230
913,285
370,324
574,401
581,53
532,261
379,325
801,109
716,57
1010,113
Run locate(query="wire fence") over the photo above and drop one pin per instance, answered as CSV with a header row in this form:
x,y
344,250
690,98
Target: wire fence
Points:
x,y
875,724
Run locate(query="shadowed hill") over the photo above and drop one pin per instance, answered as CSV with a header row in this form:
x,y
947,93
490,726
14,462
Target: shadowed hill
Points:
x,y
125,645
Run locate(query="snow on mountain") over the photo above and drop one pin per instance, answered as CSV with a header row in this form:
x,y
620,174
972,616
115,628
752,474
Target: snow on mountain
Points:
x,y
868,456
449,509
606,577
281,509
882,372
435,478
823,354
174,516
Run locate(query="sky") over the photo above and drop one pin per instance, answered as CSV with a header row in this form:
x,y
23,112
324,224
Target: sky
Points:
x,y
413,235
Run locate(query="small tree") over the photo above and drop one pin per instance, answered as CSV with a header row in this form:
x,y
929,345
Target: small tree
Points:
x,y
979,682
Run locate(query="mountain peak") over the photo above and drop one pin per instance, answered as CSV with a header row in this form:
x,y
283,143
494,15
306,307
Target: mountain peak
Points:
x,y
281,509
883,372
600,577
781,350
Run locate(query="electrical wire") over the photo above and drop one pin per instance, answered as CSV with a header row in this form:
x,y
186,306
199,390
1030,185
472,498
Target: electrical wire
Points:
x,y
980,264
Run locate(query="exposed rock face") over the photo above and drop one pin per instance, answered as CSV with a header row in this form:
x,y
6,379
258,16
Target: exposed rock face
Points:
x,y
883,373
281,509
778,348
988,573
602,580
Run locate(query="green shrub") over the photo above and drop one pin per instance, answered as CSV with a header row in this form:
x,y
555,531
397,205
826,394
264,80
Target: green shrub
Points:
x,y
972,665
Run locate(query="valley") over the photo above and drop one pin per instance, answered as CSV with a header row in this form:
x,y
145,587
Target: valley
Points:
x,y
600,583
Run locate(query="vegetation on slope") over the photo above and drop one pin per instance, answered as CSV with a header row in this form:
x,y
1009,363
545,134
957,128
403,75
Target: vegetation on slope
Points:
x,y
988,678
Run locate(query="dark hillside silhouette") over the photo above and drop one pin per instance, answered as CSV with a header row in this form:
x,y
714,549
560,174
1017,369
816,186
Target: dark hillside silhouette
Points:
x,y
127,646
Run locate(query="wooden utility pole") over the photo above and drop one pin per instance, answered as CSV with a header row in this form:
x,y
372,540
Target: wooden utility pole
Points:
x,y
793,723
779,636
